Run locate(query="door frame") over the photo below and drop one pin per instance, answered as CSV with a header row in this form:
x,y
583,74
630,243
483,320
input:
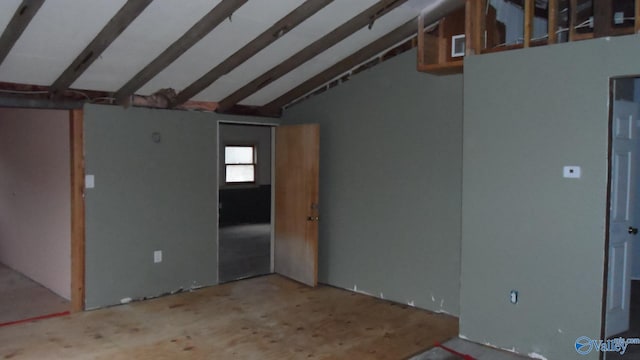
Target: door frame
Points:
x,y
607,239
272,126
76,136
77,221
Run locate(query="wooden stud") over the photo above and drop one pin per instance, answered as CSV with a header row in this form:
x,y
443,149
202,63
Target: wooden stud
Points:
x,y
529,7
481,14
476,14
394,37
421,42
637,18
442,41
203,27
366,17
120,21
18,23
77,210
469,26
602,16
573,15
553,22
273,33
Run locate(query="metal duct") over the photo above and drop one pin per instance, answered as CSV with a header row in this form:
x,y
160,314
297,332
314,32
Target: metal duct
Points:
x,y
437,9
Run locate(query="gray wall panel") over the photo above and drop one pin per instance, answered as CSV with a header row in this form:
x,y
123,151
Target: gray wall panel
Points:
x,y
390,182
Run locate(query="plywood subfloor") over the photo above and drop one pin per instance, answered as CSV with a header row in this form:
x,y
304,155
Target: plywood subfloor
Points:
x,y
261,318
23,298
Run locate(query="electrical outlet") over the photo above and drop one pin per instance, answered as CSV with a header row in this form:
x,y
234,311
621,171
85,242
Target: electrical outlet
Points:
x,y
157,256
513,297
571,172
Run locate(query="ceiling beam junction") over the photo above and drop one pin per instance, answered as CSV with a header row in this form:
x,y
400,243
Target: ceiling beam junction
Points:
x,y
365,18
198,31
273,33
18,23
118,23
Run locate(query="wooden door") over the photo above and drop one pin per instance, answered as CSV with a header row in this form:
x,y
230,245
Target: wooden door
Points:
x,y
296,202
622,229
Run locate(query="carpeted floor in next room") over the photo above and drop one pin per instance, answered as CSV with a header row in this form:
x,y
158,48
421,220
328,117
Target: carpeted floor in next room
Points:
x,y
244,251
23,298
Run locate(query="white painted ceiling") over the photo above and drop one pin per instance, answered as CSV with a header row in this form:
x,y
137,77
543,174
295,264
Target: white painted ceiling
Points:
x,y
63,28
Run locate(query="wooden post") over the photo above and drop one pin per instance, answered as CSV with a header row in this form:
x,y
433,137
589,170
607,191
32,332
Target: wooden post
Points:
x,y
77,210
602,15
637,25
529,8
420,41
474,16
442,41
473,32
553,22
573,14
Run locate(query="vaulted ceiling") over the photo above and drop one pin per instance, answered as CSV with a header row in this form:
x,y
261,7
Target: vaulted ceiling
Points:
x,y
260,53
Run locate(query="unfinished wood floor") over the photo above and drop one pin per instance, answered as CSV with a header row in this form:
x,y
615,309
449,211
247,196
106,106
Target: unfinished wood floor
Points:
x,y
262,318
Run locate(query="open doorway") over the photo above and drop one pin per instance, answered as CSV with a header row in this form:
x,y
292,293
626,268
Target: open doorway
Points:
x,y
244,214
35,214
622,300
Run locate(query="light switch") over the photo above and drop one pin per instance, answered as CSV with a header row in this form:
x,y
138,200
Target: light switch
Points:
x,y
571,172
89,181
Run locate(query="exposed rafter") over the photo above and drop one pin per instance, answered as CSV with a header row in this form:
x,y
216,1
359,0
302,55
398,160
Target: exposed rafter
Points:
x,y
394,37
20,20
367,17
203,27
283,26
120,21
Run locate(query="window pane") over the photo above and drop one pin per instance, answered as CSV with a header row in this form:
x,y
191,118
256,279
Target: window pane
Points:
x,y
238,154
240,173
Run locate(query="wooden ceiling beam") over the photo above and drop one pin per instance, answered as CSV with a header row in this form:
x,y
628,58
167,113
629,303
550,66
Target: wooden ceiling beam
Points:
x,y
277,30
118,23
389,40
203,27
367,17
247,110
18,23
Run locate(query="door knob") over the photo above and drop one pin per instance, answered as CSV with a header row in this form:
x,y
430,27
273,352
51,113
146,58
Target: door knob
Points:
x,y
316,218
632,230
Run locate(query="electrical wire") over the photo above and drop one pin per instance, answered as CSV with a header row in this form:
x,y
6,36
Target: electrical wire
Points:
x,y
26,92
40,92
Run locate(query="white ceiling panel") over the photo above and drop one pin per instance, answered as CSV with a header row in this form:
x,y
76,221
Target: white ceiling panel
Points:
x,y
334,54
327,19
150,34
63,28
246,24
57,34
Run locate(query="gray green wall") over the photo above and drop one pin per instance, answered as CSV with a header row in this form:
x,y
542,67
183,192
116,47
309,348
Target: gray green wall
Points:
x,y
527,114
150,196
390,182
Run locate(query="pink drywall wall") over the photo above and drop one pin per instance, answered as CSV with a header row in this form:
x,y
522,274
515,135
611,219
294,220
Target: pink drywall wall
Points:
x,y
35,204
